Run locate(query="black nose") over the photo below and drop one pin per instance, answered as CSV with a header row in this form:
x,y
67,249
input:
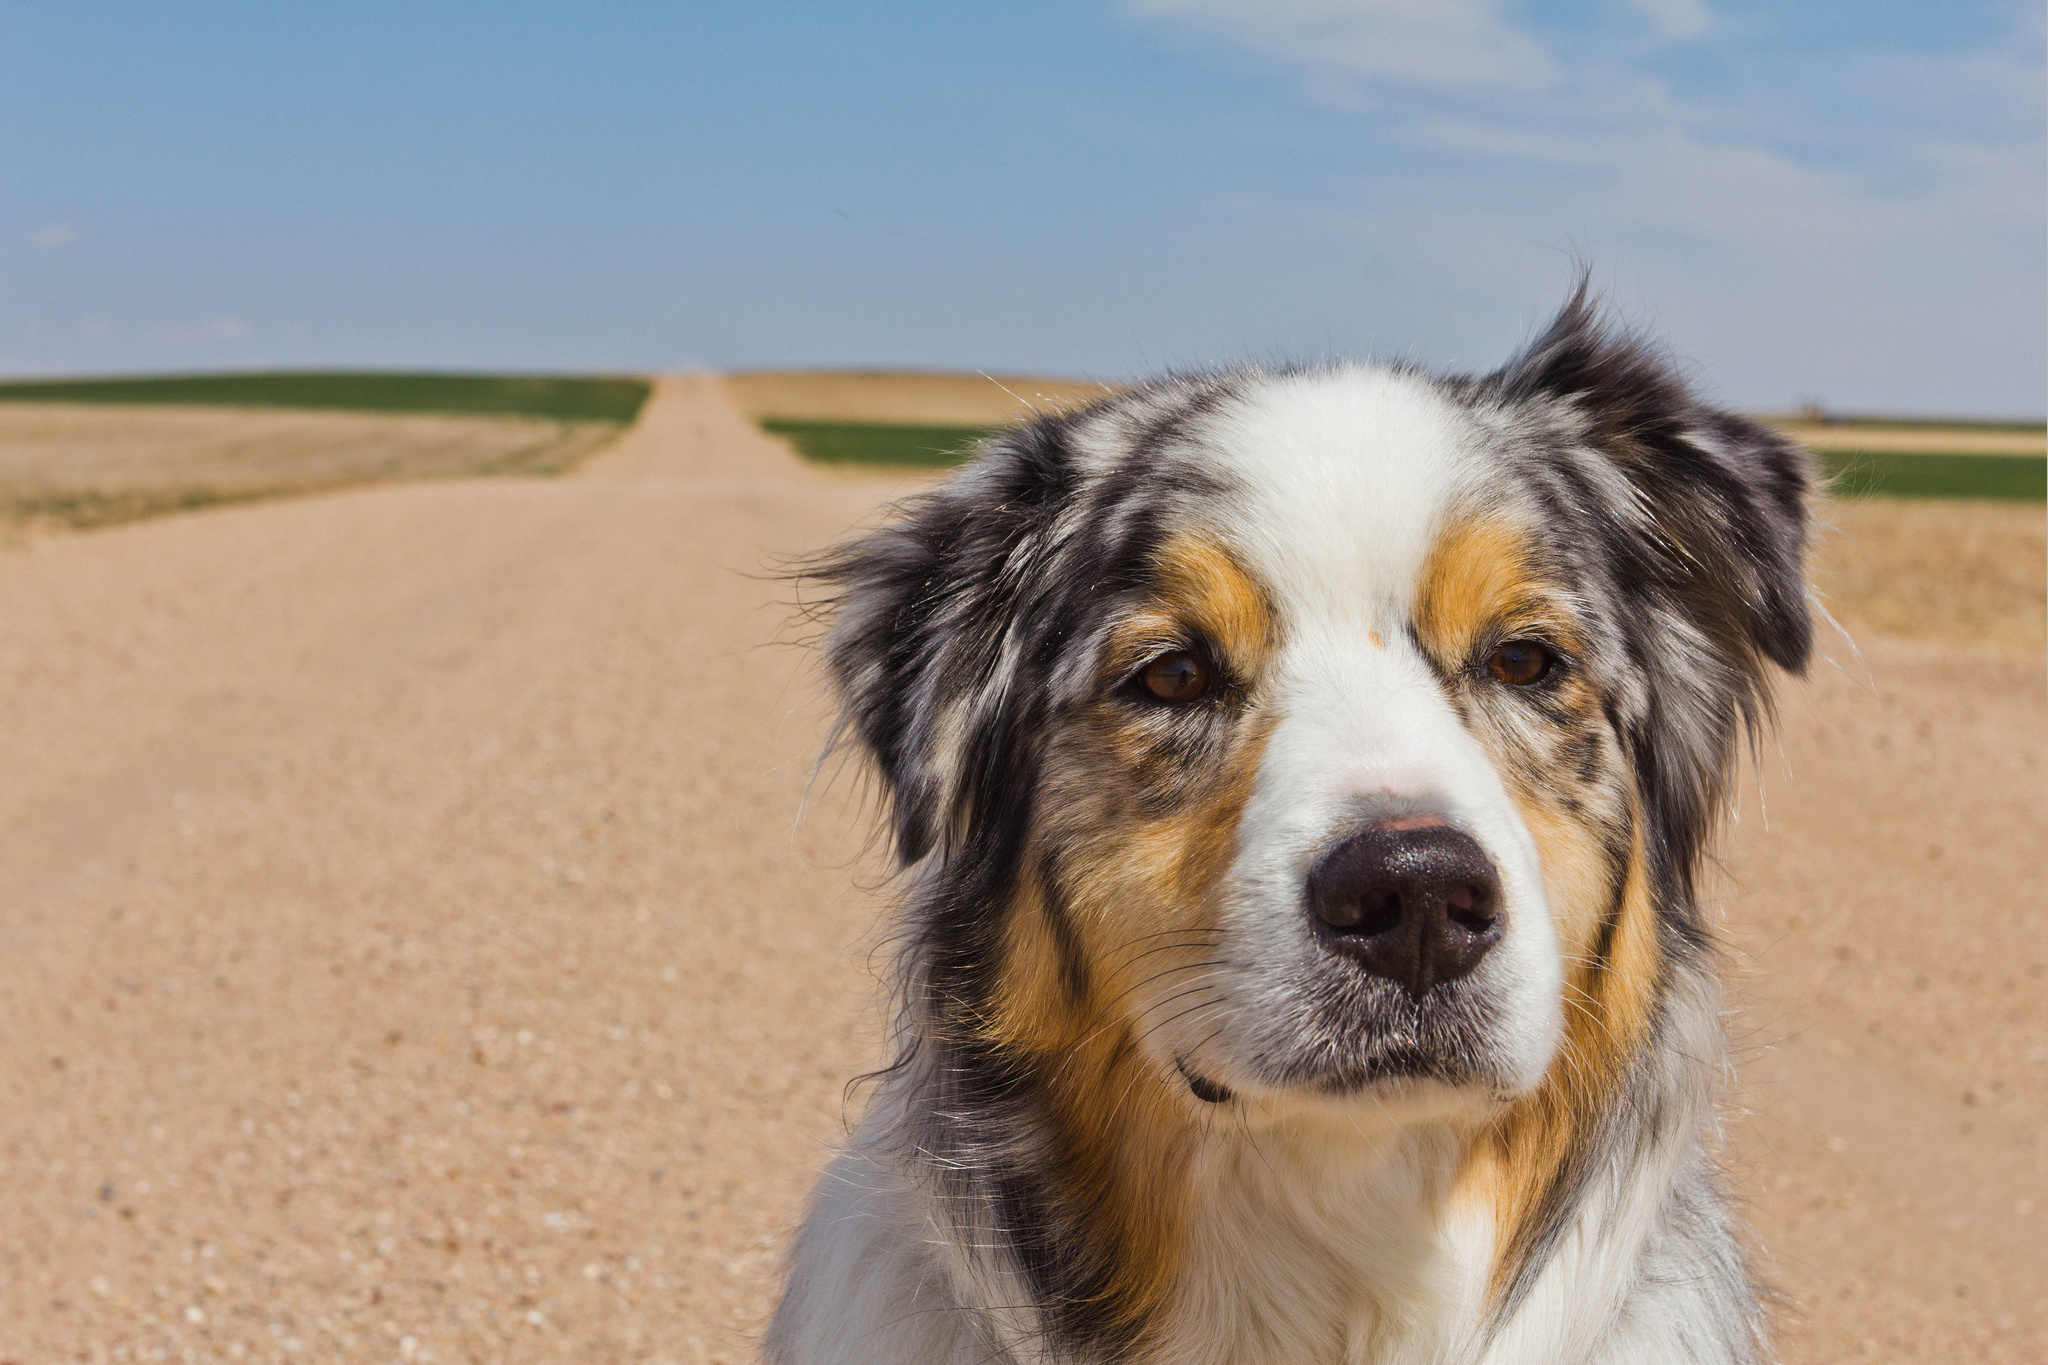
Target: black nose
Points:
x,y
1419,906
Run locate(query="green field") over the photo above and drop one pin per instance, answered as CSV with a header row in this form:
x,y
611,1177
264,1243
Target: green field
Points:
x,y
1883,473
1853,473
926,447
560,398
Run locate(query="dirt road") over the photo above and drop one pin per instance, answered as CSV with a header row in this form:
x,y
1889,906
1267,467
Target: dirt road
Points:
x,y
410,953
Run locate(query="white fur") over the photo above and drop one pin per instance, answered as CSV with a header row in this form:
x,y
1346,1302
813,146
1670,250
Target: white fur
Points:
x,y
1352,474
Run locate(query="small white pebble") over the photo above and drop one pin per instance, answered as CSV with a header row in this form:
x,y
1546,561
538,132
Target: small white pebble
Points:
x,y
534,1318
525,1037
195,1315
591,1271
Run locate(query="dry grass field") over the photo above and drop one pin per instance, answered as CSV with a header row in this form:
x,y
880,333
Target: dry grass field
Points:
x,y
1924,438
82,464
904,396
416,953
1936,570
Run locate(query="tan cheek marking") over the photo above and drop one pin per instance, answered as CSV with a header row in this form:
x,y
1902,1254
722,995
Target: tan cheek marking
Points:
x,y
1142,906
1033,1011
1161,874
1125,1140
1132,884
1576,874
1607,1008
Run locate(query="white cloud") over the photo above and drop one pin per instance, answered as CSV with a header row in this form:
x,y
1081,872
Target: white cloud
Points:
x,y
1677,19
1463,77
1423,44
1829,216
52,236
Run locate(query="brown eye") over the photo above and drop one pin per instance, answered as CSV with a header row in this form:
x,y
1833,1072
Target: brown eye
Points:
x,y
1521,663
1177,677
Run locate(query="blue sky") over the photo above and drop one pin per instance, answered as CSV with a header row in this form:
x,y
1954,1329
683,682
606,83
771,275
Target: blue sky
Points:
x,y
1834,200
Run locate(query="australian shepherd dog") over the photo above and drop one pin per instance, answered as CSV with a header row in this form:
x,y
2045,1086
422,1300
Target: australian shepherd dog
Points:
x,y
1302,780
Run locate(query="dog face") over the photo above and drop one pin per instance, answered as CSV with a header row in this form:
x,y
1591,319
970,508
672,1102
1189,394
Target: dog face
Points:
x,y
1328,735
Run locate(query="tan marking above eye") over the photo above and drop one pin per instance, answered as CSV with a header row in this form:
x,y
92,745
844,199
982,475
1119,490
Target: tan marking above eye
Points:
x,y
1176,677
1477,574
1478,584
1521,663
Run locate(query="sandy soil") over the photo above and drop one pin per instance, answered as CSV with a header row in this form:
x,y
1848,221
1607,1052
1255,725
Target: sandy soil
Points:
x,y
1885,910
413,953
93,463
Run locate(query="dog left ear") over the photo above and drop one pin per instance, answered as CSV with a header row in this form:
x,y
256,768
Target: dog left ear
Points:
x,y
1697,518
1725,498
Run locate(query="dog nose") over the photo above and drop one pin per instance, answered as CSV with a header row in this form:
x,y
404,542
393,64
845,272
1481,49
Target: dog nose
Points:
x,y
1419,906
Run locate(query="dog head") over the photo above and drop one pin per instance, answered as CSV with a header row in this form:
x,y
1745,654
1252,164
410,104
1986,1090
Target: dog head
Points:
x,y
1325,734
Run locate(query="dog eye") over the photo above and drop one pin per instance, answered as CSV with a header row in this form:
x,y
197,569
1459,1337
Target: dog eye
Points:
x,y
1521,663
1176,678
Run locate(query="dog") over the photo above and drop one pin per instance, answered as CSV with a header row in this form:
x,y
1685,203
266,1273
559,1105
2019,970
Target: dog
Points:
x,y
1301,780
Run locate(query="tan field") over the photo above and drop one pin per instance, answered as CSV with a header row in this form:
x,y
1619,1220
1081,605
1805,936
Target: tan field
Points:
x,y
907,396
1936,570
420,947
1916,440
90,464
